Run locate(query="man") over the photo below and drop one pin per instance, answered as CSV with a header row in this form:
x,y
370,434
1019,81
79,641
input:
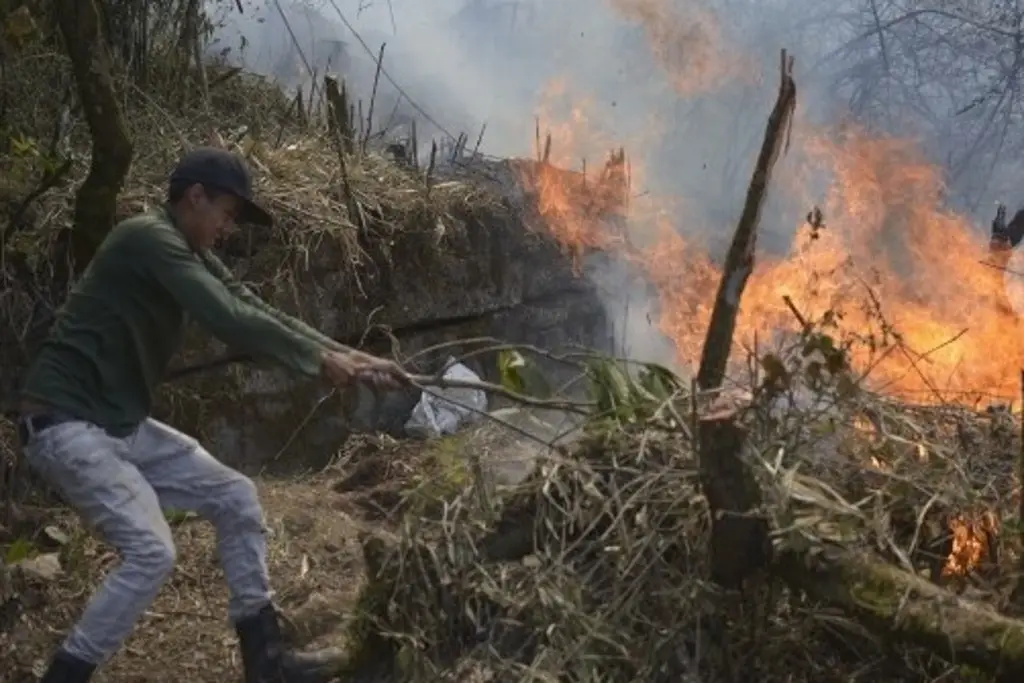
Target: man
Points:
x,y
85,422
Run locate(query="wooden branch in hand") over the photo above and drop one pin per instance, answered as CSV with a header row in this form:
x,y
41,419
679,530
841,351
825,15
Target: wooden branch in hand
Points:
x,y
425,382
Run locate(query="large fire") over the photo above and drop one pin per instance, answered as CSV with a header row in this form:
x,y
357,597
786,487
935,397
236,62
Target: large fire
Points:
x,y
890,258
889,250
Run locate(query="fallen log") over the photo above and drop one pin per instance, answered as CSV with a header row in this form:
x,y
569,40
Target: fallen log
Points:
x,y
903,607
908,609
897,604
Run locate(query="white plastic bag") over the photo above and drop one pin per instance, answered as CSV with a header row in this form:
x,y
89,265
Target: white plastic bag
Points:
x,y
444,411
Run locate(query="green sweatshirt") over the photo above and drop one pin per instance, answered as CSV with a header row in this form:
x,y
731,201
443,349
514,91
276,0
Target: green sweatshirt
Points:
x,y
114,337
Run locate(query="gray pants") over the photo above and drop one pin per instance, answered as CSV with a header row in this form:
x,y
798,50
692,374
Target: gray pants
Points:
x,y
120,487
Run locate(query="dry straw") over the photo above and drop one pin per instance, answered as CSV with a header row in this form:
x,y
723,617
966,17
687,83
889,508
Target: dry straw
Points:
x,y
595,568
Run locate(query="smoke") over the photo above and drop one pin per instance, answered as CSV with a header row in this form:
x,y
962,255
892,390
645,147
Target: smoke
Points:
x,y
682,89
685,87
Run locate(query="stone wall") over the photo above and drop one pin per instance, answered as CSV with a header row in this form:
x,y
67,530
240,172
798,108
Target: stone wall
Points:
x,y
494,274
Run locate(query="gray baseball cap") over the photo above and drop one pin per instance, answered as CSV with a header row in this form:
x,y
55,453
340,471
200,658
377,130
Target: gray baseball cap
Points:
x,y
225,171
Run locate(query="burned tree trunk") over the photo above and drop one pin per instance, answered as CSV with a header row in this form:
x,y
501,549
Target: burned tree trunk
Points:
x,y
739,262
739,543
338,122
95,202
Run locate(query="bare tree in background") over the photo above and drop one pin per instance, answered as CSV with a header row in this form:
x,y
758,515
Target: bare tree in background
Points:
x,y
947,70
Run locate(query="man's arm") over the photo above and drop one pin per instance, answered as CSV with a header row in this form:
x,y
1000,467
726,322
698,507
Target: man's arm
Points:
x,y
166,257
233,285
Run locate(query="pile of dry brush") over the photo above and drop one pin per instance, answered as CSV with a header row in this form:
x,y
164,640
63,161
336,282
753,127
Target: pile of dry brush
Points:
x,y
795,527
872,543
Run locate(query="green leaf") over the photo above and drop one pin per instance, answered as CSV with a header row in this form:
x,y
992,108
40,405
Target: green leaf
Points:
x,y
21,549
660,382
22,146
522,376
510,365
611,389
176,517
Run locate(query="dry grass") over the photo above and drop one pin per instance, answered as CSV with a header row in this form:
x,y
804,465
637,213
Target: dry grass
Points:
x,y
596,568
298,169
391,479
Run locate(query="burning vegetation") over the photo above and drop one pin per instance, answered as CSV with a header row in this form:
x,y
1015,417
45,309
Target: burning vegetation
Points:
x,y
860,449
836,495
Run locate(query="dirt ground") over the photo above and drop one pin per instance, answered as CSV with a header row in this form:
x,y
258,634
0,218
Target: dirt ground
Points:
x,y
315,562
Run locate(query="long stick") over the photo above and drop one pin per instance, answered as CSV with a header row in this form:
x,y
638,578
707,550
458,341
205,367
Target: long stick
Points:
x,y
739,262
373,96
426,382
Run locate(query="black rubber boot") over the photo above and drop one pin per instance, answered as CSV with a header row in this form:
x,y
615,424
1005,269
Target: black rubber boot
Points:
x,y
67,669
265,659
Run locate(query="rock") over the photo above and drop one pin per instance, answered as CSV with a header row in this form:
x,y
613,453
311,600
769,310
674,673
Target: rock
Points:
x,y
44,568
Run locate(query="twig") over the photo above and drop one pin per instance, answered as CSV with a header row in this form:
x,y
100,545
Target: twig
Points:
x,y
49,180
429,175
426,382
440,382
284,121
298,48
479,139
490,345
373,97
804,324
384,72
536,134
302,424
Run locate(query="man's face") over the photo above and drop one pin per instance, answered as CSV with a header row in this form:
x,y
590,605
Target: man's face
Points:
x,y
206,219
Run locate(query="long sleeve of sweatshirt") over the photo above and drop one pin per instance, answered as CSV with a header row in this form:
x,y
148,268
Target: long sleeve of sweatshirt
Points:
x,y
211,303
222,272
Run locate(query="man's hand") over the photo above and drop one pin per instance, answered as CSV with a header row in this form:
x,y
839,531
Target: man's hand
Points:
x,y
381,373
345,367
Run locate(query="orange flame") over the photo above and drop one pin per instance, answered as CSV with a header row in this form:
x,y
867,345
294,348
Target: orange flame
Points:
x,y
971,539
889,250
